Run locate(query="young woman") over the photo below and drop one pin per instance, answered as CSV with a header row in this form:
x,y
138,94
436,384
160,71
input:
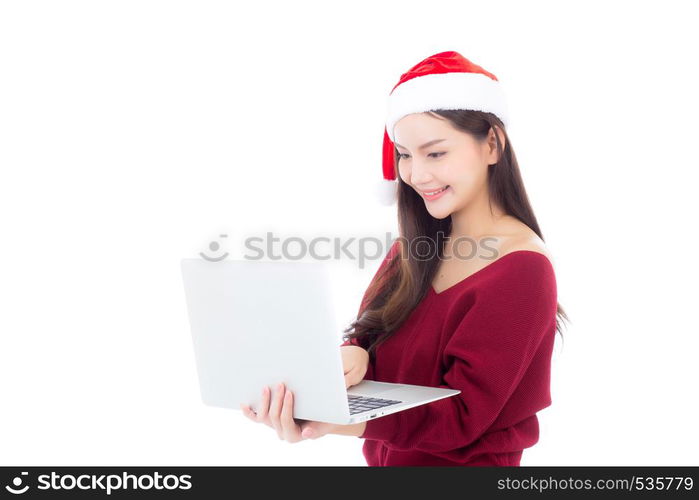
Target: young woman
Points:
x,y
465,297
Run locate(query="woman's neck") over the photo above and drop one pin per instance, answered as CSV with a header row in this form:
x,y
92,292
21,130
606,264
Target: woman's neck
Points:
x,y
479,219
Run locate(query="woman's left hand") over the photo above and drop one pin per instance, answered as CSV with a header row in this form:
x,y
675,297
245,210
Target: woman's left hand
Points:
x,y
278,413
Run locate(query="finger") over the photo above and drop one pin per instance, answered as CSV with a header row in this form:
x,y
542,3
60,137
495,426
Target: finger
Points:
x,y
289,428
308,431
248,412
314,430
320,429
263,412
350,378
275,410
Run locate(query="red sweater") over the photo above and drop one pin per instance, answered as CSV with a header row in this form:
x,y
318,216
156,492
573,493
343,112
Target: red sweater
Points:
x,y
491,336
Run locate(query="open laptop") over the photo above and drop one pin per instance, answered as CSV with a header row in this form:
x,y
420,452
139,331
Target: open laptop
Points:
x,y
257,323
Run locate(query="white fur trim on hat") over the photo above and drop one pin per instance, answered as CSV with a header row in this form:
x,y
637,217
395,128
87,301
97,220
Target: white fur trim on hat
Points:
x,y
387,191
474,91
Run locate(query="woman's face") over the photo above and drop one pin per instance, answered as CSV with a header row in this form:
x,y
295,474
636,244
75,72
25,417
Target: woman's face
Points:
x,y
457,162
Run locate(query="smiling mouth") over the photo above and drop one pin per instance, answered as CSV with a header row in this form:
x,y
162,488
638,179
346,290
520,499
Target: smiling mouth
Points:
x,y
432,193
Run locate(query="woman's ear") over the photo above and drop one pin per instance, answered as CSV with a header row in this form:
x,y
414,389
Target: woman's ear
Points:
x,y
493,157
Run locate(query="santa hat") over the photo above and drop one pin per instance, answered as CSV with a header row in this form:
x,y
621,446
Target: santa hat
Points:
x,y
446,80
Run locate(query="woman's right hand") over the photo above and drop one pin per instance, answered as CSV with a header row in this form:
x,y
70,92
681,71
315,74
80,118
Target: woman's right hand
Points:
x,y
355,363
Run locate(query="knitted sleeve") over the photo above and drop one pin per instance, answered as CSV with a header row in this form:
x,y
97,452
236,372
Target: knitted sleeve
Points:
x,y
485,358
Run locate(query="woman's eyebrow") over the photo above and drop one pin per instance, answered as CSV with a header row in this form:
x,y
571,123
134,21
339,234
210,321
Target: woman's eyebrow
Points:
x,y
426,145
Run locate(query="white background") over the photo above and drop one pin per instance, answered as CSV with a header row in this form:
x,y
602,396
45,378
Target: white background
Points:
x,y
133,133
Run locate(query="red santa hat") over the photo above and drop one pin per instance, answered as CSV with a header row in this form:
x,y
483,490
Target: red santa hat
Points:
x,y
446,80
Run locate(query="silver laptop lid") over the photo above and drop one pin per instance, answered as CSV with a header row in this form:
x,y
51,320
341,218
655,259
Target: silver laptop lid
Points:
x,y
257,323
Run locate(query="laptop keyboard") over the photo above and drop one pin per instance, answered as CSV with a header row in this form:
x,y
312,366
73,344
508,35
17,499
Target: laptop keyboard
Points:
x,y
358,404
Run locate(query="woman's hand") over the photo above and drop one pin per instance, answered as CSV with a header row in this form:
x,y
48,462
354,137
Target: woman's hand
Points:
x,y
355,363
278,414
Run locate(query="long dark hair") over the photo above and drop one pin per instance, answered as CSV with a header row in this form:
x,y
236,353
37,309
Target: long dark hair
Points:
x,y
403,282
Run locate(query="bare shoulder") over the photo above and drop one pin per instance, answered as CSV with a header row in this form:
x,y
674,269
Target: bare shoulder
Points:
x,y
526,240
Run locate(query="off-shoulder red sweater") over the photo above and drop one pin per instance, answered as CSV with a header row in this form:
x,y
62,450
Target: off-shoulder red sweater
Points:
x,y
491,336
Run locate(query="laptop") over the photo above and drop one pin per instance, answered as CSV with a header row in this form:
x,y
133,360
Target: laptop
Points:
x,y
257,323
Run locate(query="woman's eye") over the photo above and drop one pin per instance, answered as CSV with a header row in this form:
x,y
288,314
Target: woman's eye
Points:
x,y
437,155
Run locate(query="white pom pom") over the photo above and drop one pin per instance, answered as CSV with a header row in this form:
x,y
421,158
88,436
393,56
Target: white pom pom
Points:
x,y
387,192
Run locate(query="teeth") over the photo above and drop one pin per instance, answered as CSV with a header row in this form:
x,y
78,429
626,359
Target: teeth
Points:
x,y
435,192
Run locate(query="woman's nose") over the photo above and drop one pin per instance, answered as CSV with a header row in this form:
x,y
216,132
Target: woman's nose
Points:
x,y
420,174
